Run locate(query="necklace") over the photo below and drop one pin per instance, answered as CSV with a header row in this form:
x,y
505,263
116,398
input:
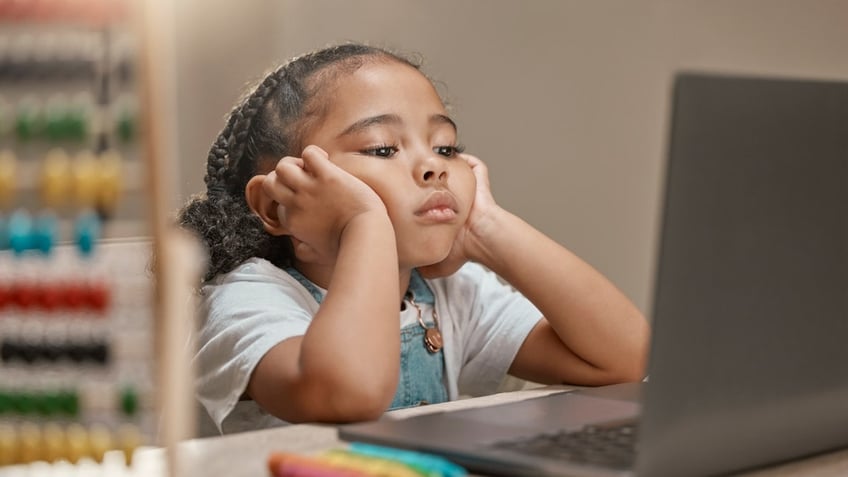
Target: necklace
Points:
x,y
432,336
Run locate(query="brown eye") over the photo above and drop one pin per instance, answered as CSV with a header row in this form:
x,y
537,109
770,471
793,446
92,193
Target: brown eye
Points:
x,y
382,151
448,151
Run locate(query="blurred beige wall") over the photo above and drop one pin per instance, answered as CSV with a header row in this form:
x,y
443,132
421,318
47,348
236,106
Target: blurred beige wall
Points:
x,y
566,101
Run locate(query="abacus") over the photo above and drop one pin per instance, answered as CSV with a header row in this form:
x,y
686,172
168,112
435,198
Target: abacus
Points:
x,y
76,295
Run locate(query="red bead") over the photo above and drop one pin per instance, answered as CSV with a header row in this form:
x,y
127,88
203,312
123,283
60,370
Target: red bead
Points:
x,y
75,295
98,296
51,296
24,294
5,295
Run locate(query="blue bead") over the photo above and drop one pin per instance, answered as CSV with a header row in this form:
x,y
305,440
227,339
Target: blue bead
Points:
x,y
4,234
44,233
20,232
87,231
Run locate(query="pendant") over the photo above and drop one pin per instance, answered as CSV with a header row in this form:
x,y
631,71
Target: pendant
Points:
x,y
433,340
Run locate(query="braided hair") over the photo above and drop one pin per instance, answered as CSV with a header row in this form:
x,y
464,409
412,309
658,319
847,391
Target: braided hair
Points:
x,y
264,126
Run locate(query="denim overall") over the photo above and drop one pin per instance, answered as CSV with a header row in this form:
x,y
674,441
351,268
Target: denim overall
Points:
x,y
421,372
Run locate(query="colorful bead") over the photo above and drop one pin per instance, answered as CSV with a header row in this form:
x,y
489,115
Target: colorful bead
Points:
x,y
77,443
29,443
100,441
56,122
5,118
69,402
8,445
87,232
54,178
86,179
129,439
19,232
4,235
44,233
77,123
110,183
8,175
28,123
98,296
129,401
125,125
55,445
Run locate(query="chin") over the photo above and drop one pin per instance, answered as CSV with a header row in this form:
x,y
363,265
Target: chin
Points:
x,y
423,258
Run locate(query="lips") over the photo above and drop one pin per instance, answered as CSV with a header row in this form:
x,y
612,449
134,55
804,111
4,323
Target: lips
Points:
x,y
439,202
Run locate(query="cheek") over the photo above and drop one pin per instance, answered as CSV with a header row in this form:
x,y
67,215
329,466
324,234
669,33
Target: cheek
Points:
x,y
389,188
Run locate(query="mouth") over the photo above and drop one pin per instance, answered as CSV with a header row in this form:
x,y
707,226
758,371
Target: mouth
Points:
x,y
440,206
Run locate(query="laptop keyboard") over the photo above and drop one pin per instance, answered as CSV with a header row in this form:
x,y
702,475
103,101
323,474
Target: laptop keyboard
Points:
x,y
605,446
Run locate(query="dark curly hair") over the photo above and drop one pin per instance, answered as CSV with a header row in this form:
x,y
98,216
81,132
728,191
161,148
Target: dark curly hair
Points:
x,y
265,125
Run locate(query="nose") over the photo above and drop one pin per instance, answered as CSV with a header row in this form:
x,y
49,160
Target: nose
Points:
x,y
431,169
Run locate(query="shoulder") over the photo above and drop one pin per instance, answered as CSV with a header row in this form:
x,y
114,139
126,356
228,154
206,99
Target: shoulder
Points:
x,y
252,270
254,285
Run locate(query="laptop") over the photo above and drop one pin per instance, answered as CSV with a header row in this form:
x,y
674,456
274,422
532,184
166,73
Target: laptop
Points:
x,y
749,354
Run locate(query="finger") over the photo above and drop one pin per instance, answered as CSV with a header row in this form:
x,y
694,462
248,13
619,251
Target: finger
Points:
x,y
478,167
316,160
282,226
298,161
473,161
291,174
276,189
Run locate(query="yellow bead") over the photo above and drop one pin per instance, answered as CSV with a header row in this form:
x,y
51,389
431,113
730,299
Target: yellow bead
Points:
x,y
8,174
30,448
55,178
77,443
101,441
110,184
8,445
86,179
129,439
55,447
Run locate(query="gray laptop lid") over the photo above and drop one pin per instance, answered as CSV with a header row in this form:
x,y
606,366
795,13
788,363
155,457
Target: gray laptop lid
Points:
x,y
752,284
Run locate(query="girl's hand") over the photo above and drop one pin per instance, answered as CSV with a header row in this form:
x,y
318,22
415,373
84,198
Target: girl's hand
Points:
x,y
470,241
317,199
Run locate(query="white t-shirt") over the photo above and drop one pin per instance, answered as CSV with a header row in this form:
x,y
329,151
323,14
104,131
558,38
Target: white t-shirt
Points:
x,y
258,305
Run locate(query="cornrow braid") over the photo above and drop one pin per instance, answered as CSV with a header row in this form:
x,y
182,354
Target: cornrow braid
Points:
x,y
229,147
264,126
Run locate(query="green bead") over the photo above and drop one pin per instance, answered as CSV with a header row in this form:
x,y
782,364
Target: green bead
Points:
x,y
77,125
52,403
70,402
5,119
23,403
39,404
129,401
5,402
56,125
126,126
28,125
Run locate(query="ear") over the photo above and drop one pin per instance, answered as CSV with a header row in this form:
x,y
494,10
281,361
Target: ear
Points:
x,y
264,206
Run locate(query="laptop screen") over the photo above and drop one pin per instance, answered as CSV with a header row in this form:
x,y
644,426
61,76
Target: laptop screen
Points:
x,y
751,300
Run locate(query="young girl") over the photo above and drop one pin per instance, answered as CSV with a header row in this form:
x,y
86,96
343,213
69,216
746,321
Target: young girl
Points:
x,y
355,254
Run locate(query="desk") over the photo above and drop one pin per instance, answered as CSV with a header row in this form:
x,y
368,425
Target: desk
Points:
x,y
244,455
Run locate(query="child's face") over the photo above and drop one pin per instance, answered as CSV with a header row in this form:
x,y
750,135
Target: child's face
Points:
x,y
386,125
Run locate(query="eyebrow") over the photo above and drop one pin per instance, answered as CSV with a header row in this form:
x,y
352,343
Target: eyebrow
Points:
x,y
391,119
